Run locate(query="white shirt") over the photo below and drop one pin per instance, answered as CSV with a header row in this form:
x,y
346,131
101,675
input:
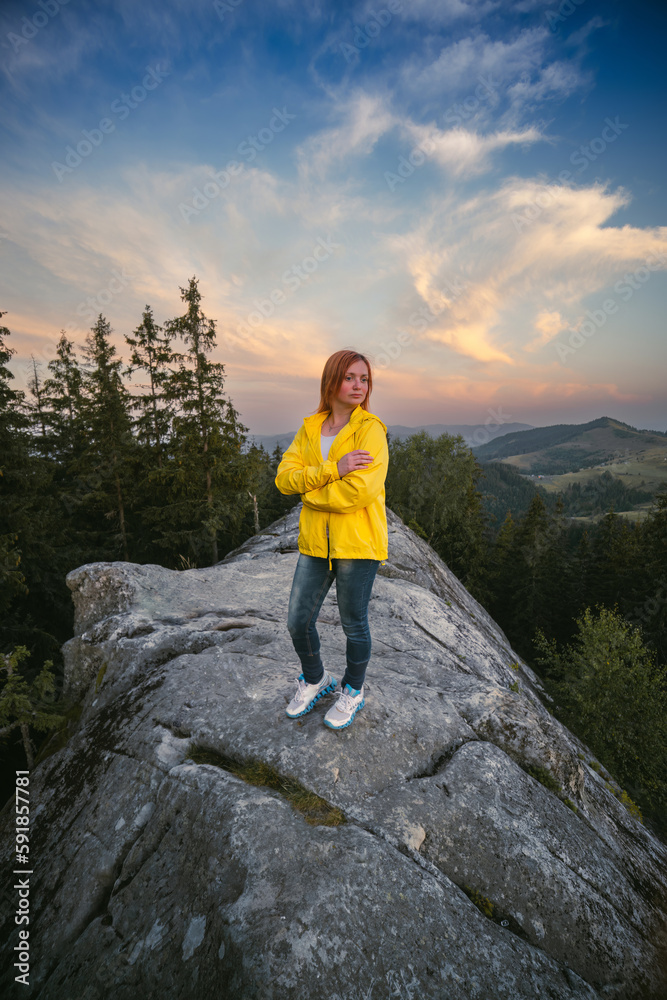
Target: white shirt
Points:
x,y
325,445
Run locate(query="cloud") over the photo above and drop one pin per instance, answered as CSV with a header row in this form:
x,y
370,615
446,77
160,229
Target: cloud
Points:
x,y
556,80
460,64
445,12
365,118
518,73
461,150
481,277
462,397
581,36
548,326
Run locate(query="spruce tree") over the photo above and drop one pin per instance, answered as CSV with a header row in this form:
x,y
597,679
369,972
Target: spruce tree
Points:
x,y
63,403
14,490
557,578
107,459
648,607
502,574
14,423
37,407
528,559
152,354
73,479
612,561
268,503
431,485
206,476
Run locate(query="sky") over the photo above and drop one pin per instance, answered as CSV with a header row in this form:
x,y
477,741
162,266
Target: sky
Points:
x,y
473,194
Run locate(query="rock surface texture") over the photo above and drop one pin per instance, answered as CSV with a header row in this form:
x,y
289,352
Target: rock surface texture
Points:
x,y
455,874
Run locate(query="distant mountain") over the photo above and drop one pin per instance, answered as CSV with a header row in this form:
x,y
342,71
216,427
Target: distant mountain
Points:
x,y
472,434
563,448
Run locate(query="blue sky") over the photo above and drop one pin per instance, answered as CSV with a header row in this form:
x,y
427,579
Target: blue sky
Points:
x,y
473,193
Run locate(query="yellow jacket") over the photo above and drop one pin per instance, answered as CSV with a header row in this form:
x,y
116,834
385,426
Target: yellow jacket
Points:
x,y
350,511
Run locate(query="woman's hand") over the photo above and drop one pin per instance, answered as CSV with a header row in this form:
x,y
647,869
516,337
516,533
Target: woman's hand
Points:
x,y
354,460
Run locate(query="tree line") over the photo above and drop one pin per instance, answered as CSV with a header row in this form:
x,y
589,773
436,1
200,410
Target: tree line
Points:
x,y
91,471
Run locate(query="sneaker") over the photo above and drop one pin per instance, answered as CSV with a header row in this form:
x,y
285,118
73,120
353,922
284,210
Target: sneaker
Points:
x,y
307,694
343,712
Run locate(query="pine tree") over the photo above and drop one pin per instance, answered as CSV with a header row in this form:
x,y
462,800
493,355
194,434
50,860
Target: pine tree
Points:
x,y
63,403
37,408
270,503
14,439
578,546
206,476
612,561
152,354
14,488
649,579
557,578
528,560
110,451
501,580
431,485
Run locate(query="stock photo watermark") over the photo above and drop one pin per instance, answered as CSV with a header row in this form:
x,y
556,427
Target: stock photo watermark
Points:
x,y
419,321
291,280
596,147
88,309
496,419
595,319
249,148
363,36
455,115
30,26
121,107
556,17
465,109
644,613
581,157
225,7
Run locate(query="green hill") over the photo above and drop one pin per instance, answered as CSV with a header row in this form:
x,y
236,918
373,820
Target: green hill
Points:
x,y
594,467
503,489
567,448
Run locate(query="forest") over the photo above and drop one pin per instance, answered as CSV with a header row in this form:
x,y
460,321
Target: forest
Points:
x,y
91,470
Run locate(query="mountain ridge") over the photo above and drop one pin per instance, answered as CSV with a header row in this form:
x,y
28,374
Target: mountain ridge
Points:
x,y
400,432
564,448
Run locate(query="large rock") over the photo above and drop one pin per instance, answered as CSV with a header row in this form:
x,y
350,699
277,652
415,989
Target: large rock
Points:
x,y
453,871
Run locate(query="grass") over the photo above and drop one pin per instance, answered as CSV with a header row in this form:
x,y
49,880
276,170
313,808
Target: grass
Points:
x,y
315,810
100,677
545,777
625,800
481,902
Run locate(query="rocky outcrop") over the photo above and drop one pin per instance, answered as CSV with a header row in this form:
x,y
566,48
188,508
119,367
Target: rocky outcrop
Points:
x,y
455,842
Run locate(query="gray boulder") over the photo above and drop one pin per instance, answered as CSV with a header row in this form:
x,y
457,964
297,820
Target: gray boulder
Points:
x,y
453,843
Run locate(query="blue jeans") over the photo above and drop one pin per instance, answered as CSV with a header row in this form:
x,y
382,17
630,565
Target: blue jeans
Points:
x,y
311,583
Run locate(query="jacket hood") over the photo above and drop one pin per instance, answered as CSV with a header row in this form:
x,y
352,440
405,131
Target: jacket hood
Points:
x,y
313,423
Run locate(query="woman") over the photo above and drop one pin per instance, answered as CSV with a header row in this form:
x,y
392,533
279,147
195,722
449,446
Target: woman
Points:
x,y
338,463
